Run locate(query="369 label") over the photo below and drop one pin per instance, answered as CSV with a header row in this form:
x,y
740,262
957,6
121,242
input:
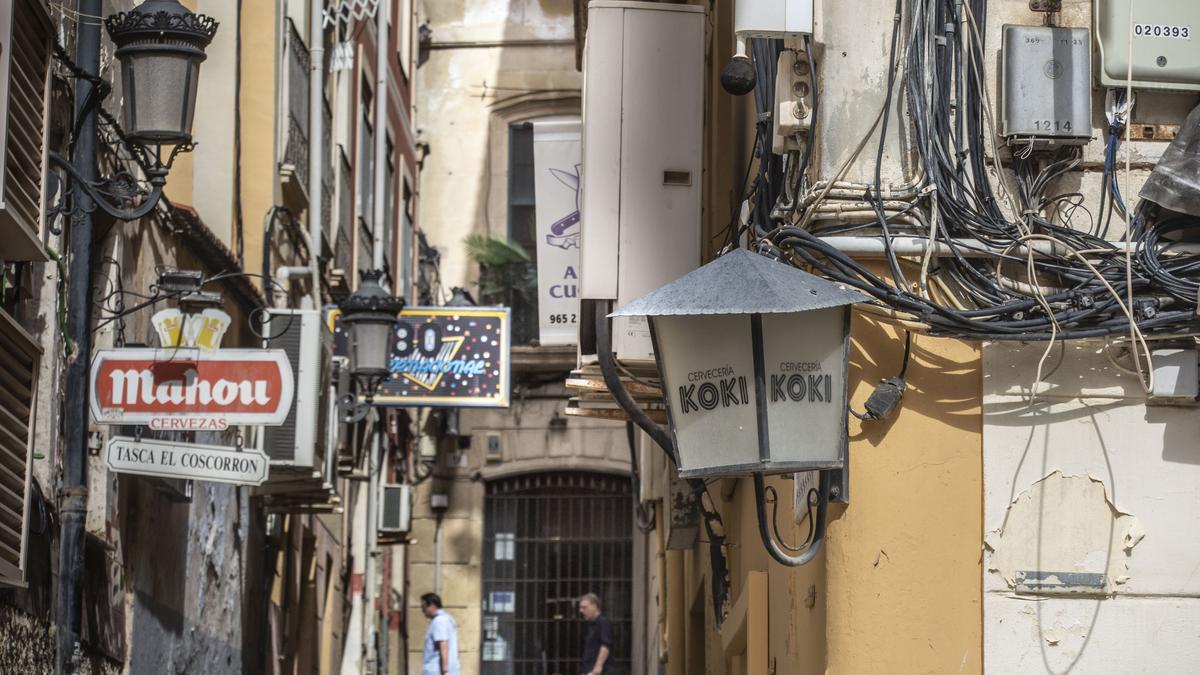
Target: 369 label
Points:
x,y
1162,30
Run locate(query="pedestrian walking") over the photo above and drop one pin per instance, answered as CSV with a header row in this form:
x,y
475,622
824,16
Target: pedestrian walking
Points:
x,y
441,639
598,644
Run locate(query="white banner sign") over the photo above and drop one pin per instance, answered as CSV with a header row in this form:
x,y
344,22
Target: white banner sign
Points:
x,y
556,167
169,459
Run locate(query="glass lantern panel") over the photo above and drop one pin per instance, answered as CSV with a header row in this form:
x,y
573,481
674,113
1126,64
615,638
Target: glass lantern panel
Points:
x,y
804,359
158,86
372,344
708,368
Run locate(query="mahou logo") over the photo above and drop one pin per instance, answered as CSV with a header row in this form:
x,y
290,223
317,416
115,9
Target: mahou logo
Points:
x,y
184,389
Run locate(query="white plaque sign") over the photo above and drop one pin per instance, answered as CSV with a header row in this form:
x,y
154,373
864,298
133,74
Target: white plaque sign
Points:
x,y
170,459
556,167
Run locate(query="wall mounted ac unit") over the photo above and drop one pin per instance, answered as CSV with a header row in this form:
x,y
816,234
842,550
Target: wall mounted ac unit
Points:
x,y
395,508
300,441
643,142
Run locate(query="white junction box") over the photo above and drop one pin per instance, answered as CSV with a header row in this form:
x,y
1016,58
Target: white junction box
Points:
x,y
772,18
793,101
643,144
1166,43
1046,92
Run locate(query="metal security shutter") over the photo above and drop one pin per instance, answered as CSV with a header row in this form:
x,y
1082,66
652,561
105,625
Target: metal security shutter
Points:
x,y
25,39
548,539
19,357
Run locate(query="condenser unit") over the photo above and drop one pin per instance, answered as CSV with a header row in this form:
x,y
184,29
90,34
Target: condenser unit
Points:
x,y
643,142
395,509
300,441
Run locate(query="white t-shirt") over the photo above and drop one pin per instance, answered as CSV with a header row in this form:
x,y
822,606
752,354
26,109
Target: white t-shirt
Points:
x,y
441,629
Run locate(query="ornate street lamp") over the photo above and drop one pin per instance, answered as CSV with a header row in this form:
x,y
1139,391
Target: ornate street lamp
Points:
x,y
161,45
752,355
369,316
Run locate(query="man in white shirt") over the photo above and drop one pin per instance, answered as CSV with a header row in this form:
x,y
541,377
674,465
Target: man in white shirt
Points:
x,y
441,639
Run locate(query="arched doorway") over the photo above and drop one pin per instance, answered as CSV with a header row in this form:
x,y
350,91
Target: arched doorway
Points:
x,y
548,539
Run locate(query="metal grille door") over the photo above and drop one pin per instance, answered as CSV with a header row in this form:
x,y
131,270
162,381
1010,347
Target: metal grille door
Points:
x,y
550,538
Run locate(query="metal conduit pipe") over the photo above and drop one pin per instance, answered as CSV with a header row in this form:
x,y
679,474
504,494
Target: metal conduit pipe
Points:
x,y
612,380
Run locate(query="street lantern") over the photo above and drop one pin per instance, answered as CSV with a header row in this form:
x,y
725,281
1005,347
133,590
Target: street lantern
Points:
x,y
753,354
369,316
160,44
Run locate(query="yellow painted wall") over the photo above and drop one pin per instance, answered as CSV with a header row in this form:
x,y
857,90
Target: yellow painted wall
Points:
x,y
258,95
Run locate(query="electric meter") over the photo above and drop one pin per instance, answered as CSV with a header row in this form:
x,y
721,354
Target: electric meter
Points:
x,y
1166,43
1046,86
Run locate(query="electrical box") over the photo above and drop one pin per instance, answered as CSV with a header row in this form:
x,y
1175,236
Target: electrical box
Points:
x,y
793,100
1166,43
1046,93
683,528
395,508
643,144
1176,376
772,18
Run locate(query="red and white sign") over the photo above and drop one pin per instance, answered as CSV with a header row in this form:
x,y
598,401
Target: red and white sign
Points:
x,y
191,390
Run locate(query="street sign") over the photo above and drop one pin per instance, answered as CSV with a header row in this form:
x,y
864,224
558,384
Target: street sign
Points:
x,y
190,389
444,356
170,459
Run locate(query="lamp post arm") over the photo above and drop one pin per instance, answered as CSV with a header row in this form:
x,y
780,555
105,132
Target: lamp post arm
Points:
x,y
101,198
818,536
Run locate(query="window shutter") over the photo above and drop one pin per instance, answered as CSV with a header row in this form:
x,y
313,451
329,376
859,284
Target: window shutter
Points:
x,y
25,39
19,357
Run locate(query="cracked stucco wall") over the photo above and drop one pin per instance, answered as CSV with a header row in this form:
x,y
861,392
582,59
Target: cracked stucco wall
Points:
x,y
1091,554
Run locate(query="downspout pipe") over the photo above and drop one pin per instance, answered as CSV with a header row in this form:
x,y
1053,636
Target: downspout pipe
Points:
x,y
74,491
316,142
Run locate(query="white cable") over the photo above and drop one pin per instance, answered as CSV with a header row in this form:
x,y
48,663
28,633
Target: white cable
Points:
x,y
1148,386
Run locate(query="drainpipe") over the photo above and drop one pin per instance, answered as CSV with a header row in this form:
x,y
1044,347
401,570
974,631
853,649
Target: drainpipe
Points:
x,y
74,491
316,142
371,591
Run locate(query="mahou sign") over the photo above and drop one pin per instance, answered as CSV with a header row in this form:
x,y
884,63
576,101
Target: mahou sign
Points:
x,y
190,390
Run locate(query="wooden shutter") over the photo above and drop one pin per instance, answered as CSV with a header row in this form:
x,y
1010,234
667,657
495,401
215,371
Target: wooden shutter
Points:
x,y
25,39
19,356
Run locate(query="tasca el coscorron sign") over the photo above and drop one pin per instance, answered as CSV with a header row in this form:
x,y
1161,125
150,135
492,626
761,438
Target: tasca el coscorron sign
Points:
x,y
191,390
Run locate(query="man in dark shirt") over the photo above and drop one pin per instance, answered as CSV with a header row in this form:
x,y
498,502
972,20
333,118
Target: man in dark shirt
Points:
x,y
597,646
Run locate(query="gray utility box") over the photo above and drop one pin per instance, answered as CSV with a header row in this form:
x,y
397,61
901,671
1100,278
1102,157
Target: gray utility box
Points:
x,y
1166,43
1046,89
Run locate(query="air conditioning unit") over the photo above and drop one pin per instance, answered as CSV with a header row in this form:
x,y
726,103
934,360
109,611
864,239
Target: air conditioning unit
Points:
x,y
300,441
643,144
24,67
395,508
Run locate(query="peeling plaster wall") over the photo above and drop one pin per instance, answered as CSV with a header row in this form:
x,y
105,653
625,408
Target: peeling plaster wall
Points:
x,y
1087,480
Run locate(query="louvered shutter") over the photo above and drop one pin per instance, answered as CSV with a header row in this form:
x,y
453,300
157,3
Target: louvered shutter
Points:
x,y
19,356
25,39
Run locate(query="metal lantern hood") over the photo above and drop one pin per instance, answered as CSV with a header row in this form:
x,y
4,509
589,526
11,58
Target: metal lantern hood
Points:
x,y
753,355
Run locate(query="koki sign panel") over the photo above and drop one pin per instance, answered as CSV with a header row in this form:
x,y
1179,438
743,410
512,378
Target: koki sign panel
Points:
x,y
717,392
190,389
444,356
556,163
172,459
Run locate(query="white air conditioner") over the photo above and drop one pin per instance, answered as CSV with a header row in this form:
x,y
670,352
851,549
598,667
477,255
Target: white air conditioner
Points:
x,y
643,145
395,508
300,441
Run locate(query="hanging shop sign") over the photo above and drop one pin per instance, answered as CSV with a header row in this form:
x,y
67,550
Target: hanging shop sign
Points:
x,y
190,389
556,166
170,459
443,356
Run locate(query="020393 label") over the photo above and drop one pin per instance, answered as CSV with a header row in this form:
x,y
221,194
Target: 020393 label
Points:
x,y
1160,30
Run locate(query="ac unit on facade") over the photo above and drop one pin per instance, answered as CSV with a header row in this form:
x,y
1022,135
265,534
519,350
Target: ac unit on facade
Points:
x,y
643,142
300,441
395,508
